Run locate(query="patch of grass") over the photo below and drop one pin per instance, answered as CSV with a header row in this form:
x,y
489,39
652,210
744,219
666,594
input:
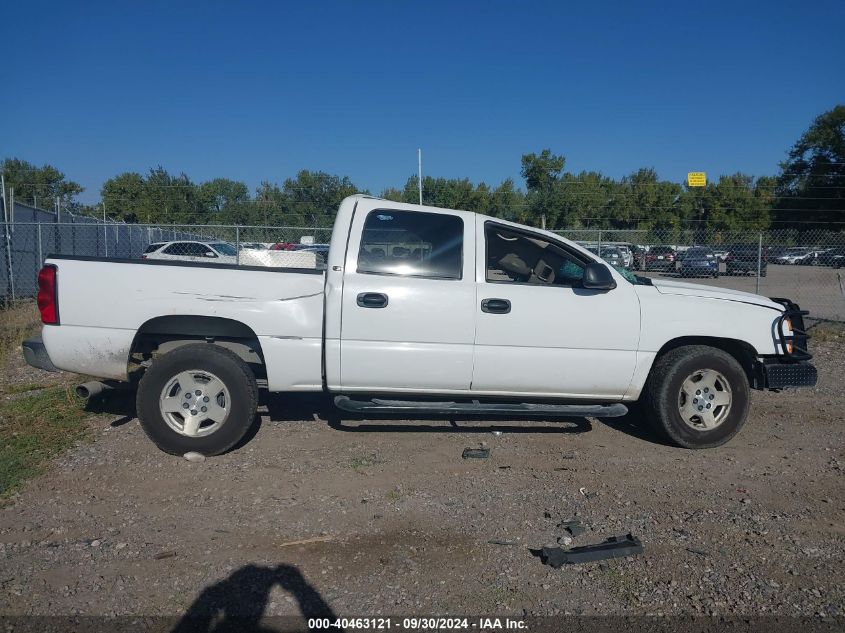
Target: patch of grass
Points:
x,y
17,322
393,495
35,428
13,389
362,461
826,332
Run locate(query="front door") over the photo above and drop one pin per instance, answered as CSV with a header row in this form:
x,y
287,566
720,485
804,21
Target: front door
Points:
x,y
538,331
408,307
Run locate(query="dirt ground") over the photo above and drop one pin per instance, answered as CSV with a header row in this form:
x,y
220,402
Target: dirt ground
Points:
x,y
317,513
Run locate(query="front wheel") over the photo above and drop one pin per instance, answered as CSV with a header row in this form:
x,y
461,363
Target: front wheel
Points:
x,y
199,398
696,396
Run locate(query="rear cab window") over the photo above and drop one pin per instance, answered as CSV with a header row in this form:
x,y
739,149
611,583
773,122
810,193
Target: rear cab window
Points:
x,y
412,243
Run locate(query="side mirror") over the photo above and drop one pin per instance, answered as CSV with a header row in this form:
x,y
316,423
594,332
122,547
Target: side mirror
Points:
x,y
597,277
210,254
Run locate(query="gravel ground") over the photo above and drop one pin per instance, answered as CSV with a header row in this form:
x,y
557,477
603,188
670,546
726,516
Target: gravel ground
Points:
x,y
365,517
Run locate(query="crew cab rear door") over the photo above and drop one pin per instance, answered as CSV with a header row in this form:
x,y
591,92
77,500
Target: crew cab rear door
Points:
x,y
408,306
538,331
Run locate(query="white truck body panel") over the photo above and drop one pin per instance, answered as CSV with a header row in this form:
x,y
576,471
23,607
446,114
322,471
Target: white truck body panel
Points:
x,y
103,305
432,337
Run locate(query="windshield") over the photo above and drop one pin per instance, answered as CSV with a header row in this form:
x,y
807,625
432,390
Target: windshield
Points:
x,y
699,252
224,248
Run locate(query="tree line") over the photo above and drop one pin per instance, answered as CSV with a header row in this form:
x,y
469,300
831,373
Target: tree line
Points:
x,y
809,192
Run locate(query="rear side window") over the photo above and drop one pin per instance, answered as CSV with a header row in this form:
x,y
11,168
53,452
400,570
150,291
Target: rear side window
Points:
x,y
412,243
188,249
153,247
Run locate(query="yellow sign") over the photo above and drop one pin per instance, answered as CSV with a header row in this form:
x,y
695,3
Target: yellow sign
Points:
x,y
697,179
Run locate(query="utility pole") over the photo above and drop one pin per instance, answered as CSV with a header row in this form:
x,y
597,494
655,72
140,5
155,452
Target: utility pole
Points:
x,y
105,232
419,172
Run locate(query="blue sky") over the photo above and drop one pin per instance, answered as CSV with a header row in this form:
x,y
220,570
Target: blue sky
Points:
x,y
257,91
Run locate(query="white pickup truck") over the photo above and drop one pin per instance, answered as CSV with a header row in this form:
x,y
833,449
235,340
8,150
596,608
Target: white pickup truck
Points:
x,y
419,311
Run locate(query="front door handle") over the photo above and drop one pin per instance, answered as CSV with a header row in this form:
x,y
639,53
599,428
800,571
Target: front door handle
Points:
x,y
496,306
372,300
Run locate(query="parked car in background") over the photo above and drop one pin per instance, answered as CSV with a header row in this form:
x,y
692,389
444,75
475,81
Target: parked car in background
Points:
x,y
833,257
742,259
611,254
796,256
660,258
627,254
699,261
193,251
720,252
255,246
638,257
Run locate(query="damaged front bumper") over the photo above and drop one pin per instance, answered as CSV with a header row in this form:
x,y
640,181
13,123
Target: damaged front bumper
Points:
x,y
36,354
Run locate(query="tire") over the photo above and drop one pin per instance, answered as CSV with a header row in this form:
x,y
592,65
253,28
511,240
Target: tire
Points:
x,y
662,397
183,372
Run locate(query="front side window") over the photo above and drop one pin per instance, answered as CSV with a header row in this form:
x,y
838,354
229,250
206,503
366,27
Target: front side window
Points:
x,y
412,243
513,256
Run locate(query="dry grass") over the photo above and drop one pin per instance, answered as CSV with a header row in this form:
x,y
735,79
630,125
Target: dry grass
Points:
x,y
34,428
826,332
17,322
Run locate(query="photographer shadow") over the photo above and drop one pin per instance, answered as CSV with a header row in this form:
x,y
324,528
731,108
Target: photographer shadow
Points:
x,y
237,604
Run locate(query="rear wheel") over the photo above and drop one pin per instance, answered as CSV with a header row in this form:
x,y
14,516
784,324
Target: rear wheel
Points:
x,y
199,398
696,396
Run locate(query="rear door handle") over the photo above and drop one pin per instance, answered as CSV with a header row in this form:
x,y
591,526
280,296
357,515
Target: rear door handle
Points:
x,y
496,306
372,300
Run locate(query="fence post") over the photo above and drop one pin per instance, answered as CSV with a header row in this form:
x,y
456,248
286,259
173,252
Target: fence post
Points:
x,y
759,260
238,245
40,255
598,243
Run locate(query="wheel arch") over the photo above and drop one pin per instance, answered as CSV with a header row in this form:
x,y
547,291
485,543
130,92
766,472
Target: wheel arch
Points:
x,y
165,333
742,351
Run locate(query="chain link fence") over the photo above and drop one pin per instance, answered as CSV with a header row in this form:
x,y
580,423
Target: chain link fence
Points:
x,y
807,267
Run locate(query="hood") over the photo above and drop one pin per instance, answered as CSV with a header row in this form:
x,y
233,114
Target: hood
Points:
x,y
668,287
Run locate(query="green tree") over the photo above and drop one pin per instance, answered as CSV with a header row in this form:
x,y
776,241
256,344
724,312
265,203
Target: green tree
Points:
x,y
124,196
39,186
542,174
811,184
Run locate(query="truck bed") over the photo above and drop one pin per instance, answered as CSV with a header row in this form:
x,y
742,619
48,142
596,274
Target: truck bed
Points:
x,y
105,302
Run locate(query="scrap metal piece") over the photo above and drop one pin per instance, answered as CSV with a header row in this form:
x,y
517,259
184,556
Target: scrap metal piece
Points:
x,y
574,527
614,547
476,453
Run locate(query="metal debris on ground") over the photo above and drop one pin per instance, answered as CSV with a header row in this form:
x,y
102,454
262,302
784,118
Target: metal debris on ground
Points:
x,y
573,526
476,453
614,547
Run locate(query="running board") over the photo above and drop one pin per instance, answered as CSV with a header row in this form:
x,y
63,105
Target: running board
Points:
x,y
378,405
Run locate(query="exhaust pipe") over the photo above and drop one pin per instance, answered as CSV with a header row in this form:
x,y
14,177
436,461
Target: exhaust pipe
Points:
x,y
91,389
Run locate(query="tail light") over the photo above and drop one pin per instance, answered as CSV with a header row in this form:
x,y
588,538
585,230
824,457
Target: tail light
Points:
x,y
48,295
